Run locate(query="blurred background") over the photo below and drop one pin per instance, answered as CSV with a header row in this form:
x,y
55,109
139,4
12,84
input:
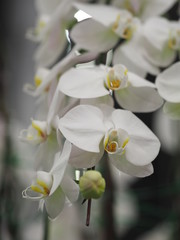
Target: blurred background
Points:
x,y
131,208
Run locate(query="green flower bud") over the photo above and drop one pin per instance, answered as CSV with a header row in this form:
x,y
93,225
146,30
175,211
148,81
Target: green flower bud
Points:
x,y
92,184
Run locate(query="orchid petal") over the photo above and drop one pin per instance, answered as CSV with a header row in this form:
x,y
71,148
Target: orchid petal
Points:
x,y
121,163
139,99
168,83
160,58
137,81
50,49
93,36
84,159
103,14
83,83
134,52
83,126
105,100
70,188
172,109
154,8
59,166
59,106
120,57
45,154
143,145
55,203
158,29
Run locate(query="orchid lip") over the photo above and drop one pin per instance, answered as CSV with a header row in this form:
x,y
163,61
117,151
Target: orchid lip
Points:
x,y
116,141
40,188
174,39
117,77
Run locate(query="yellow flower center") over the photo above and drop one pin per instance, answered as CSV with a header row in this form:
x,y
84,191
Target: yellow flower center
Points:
x,y
41,188
37,81
174,40
43,183
116,23
39,130
115,141
117,77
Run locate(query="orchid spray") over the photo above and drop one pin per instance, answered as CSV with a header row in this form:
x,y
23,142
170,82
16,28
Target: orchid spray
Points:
x,y
91,80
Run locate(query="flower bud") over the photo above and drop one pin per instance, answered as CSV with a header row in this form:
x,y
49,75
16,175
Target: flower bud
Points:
x,y
92,184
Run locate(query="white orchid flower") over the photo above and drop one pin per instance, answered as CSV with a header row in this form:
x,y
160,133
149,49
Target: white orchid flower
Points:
x,y
39,78
45,78
164,43
54,187
45,143
132,54
131,91
60,103
50,31
130,144
168,85
145,8
118,24
35,134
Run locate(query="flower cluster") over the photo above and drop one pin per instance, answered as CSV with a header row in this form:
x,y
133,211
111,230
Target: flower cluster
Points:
x,y
83,67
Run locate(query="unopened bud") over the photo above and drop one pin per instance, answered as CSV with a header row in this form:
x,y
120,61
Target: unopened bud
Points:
x,y
92,184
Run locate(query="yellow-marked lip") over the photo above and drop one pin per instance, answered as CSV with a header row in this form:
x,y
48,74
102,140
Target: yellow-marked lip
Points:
x,y
111,147
39,190
116,23
117,77
116,141
44,186
127,34
39,130
37,81
174,39
113,84
125,142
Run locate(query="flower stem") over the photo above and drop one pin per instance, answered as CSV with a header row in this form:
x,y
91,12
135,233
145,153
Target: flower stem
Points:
x,y
88,212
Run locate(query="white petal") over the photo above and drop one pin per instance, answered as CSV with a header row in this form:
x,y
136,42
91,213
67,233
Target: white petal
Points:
x,y
84,159
59,166
50,49
45,154
158,28
120,57
156,7
160,58
103,14
59,106
121,163
70,188
134,52
137,81
139,99
93,36
173,110
168,83
55,203
83,126
83,83
106,100
143,146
